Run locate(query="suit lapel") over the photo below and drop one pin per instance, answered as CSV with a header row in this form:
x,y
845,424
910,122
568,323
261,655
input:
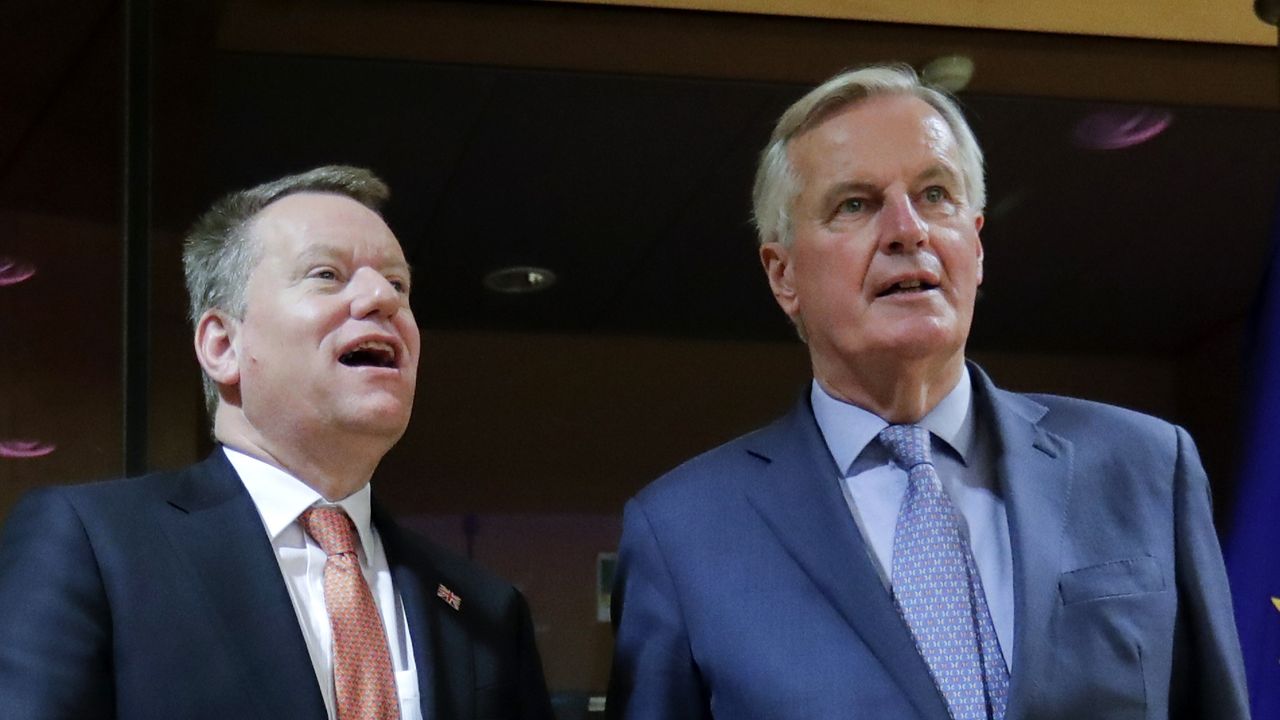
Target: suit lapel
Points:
x,y
441,646
215,527
455,663
799,498
1034,472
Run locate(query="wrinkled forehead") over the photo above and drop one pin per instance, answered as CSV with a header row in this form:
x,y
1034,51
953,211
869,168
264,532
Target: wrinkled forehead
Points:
x,y
890,131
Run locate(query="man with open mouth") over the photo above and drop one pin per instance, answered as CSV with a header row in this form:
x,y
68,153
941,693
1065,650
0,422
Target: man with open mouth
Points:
x,y
265,582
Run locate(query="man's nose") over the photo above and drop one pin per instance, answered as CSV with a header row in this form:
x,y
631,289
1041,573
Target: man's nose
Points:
x,y
901,227
373,294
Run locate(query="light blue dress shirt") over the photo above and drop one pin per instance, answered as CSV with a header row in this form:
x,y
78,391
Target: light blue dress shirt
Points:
x,y
874,487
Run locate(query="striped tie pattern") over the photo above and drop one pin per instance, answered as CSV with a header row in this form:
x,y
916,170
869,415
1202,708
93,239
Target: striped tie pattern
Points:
x,y
362,673
938,591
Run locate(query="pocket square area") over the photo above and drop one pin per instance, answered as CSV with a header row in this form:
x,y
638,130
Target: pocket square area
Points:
x,y
1117,578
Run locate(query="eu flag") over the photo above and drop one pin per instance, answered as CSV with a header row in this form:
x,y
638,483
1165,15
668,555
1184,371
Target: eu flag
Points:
x,y
1253,548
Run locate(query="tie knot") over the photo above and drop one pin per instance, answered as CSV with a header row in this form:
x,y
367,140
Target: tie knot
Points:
x,y
331,528
909,445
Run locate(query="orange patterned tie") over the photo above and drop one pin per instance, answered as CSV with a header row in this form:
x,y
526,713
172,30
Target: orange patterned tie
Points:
x,y
362,673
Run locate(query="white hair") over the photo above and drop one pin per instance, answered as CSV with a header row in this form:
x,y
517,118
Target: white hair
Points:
x,y
777,186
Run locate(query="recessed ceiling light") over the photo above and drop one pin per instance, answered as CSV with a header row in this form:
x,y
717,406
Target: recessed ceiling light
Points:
x,y
520,279
25,448
949,72
14,271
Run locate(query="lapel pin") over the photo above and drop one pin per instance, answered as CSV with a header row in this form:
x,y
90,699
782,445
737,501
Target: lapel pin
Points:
x,y
449,597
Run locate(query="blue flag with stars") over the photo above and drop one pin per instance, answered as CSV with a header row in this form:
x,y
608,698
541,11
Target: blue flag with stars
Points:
x,y
1253,548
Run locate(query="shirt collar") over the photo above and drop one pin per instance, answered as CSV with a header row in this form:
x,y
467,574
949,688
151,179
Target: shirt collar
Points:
x,y
281,498
848,429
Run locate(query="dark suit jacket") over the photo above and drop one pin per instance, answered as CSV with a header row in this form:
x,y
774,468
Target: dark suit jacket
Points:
x,y
160,597
744,589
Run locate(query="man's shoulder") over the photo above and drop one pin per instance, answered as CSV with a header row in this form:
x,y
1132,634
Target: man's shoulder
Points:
x,y
120,495
1103,431
719,470
1071,414
107,524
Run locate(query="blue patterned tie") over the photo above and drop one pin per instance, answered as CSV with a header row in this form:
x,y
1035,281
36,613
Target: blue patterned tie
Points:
x,y
937,589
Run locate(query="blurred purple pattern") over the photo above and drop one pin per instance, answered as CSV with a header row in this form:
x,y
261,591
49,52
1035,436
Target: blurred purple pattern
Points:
x,y
13,271
1117,128
25,448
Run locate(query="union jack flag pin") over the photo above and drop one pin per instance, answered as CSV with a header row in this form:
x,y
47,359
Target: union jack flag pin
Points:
x,y
449,597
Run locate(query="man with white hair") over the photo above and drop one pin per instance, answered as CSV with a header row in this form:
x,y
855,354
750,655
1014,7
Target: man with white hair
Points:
x,y
911,541
264,582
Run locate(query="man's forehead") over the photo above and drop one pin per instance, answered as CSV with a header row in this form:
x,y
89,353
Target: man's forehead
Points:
x,y
324,224
898,116
312,207
897,131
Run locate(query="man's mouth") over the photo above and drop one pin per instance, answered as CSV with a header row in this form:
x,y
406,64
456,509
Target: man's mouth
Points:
x,y
371,353
907,286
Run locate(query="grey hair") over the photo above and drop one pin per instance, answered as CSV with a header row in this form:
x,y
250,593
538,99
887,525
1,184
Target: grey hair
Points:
x,y
219,252
777,185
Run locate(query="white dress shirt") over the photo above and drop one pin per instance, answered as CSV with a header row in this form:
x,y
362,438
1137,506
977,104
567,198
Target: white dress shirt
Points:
x,y
280,499
874,488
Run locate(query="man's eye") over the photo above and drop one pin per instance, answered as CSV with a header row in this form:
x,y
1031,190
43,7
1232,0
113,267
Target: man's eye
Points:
x,y
400,285
935,194
853,205
324,274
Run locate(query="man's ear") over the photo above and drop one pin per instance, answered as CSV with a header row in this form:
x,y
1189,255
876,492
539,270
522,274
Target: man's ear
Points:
x,y
776,259
977,230
216,347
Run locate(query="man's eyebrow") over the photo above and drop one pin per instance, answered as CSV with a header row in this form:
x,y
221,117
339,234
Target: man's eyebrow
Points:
x,y
321,253
318,252
849,187
940,172
399,266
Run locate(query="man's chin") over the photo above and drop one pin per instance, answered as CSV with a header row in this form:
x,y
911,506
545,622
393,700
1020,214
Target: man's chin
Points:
x,y
387,418
909,330
920,341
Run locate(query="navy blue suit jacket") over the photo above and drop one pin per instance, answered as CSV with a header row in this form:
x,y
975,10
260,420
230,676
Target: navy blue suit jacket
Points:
x,y
744,588
160,597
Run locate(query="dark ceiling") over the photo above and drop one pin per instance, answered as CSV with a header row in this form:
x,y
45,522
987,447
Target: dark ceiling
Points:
x,y
635,189
616,147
